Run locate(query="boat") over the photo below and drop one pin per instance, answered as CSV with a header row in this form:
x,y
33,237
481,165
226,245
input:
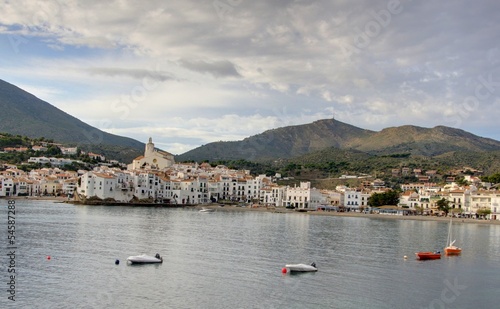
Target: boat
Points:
x,y
207,209
450,248
426,255
145,259
300,267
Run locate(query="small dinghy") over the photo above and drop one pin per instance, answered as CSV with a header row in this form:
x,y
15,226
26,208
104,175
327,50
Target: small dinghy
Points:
x,y
145,259
207,209
300,267
428,255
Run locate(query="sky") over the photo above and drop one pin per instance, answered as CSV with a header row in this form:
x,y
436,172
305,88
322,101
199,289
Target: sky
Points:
x,y
187,73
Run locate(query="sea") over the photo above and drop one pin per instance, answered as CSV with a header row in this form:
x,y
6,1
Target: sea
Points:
x,y
69,256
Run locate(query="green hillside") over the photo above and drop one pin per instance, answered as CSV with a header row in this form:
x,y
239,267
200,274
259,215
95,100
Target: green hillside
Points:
x,y
24,114
295,141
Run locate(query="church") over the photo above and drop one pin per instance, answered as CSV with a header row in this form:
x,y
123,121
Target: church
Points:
x,y
153,159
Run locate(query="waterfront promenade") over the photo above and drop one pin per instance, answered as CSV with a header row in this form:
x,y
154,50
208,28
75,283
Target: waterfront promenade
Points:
x,y
351,214
233,207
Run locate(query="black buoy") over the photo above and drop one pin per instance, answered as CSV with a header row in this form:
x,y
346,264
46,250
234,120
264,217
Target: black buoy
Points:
x,y
117,262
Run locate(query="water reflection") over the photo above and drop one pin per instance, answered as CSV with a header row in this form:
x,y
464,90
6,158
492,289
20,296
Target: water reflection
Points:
x,y
234,259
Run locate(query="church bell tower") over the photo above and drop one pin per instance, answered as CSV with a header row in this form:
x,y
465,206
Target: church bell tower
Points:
x,y
150,147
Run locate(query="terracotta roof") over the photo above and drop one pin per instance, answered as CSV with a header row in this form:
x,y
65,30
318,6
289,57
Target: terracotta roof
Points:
x,y
104,175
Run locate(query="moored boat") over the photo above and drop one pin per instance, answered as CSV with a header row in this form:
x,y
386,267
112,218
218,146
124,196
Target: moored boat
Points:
x,y
450,248
301,267
207,209
145,259
427,255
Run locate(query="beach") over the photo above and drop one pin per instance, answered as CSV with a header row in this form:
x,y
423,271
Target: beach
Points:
x,y
349,214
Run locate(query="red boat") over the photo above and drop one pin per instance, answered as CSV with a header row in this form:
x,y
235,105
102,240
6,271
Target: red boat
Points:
x,y
428,255
450,249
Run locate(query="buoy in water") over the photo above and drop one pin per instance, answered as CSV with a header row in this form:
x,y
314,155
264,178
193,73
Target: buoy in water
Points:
x,y
48,257
117,262
283,270
405,257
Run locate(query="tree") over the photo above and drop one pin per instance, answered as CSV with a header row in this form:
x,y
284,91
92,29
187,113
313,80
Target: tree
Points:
x,y
495,178
53,151
443,205
483,212
386,198
461,181
420,209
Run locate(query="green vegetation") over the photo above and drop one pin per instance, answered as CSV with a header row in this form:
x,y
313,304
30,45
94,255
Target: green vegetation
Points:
x,y
443,205
483,212
20,158
495,178
25,114
9,140
386,198
397,143
15,141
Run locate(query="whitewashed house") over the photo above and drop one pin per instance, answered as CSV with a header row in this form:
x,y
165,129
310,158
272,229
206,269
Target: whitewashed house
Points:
x,y
6,186
355,199
303,197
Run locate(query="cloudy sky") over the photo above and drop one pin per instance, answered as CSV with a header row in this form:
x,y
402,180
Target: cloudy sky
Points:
x,y
192,72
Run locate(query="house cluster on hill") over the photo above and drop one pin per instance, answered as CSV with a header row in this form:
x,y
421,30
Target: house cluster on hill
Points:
x,y
44,147
192,183
156,178
466,201
37,182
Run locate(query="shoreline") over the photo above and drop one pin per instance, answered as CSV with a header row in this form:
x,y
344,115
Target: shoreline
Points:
x,y
36,198
352,214
281,210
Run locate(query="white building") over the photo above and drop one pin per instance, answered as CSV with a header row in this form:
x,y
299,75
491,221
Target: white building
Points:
x,y
303,197
272,195
68,150
69,186
6,186
354,199
100,185
495,206
153,159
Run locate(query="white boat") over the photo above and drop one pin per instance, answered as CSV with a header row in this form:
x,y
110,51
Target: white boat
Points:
x,y
301,267
207,209
145,259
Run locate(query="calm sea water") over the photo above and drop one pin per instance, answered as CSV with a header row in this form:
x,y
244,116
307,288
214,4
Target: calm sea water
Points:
x,y
234,260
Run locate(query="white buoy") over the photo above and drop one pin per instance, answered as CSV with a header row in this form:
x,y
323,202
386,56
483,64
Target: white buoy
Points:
x,y
405,257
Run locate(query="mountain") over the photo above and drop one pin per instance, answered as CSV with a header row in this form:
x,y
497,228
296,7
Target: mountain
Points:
x,y
293,141
423,141
285,142
24,114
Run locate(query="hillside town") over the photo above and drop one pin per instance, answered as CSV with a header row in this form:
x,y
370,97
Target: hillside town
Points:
x,y
156,178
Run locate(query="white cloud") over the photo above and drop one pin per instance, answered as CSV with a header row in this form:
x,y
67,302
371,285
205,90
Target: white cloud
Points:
x,y
155,61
